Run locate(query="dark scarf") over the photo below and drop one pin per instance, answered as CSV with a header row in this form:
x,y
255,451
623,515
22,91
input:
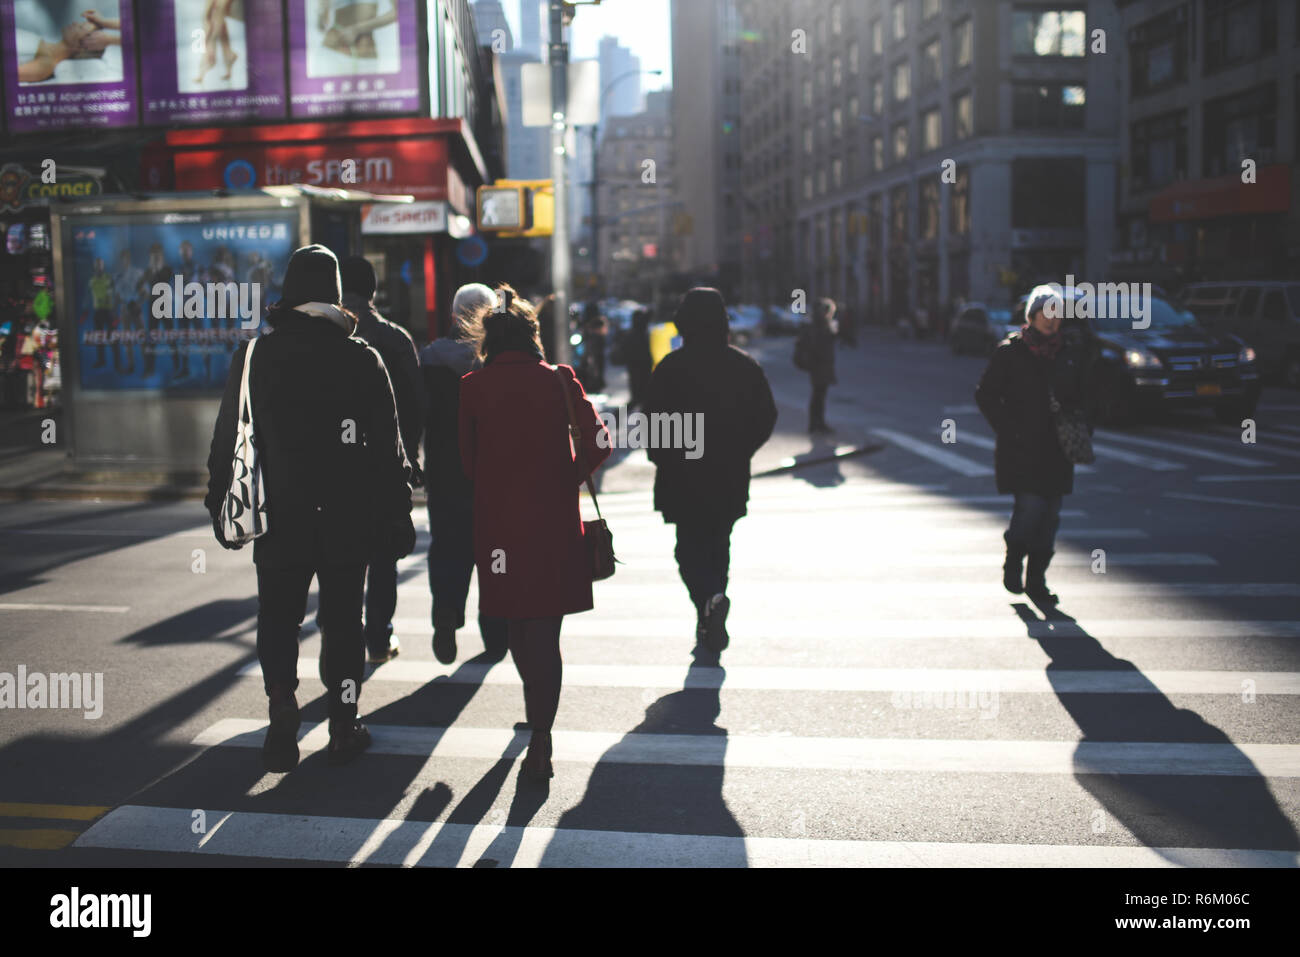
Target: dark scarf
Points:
x,y
1041,345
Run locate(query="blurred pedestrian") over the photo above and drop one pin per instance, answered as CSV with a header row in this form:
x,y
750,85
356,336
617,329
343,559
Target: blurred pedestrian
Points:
x,y
449,494
639,361
848,323
595,333
533,565
815,354
704,491
1015,394
337,493
394,345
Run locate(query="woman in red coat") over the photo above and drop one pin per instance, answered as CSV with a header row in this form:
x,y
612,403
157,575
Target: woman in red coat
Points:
x,y
532,564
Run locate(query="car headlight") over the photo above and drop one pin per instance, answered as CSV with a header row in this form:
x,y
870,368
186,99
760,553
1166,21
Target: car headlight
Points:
x,y
1246,355
1141,359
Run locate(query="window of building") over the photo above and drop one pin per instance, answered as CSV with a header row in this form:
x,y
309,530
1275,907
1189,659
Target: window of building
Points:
x,y
963,116
1047,193
855,111
877,37
928,211
837,173
1240,127
1238,30
837,17
821,183
837,72
807,187
1036,32
902,80
931,130
808,140
900,19
930,8
853,57
1051,106
900,142
807,93
1158,150
959,204
837,122
931,65
963,43
877,98
877,153
898,216
1158,52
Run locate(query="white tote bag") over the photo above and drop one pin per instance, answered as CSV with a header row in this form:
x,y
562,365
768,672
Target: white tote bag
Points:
x,y
243,516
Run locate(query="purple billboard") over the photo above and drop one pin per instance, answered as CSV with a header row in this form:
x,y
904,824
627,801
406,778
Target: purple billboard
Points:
x,y
353,58
212,61
66,66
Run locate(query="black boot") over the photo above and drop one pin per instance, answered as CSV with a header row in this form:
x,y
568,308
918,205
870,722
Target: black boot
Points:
x,y
280,750
1035,583
1013,568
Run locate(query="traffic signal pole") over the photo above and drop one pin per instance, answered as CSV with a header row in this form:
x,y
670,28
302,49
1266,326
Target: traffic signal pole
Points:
x,y
560,267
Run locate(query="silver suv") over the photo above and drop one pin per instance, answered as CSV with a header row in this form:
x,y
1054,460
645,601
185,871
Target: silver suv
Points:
x,y
1264,313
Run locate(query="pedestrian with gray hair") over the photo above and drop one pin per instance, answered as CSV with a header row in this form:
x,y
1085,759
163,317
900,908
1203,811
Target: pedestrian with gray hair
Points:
x,y
449,494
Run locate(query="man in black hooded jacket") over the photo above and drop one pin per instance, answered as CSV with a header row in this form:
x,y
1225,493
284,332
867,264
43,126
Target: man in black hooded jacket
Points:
x,y
705,495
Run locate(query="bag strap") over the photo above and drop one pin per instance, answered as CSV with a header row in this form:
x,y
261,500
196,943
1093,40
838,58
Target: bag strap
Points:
x,y
245,394
576,434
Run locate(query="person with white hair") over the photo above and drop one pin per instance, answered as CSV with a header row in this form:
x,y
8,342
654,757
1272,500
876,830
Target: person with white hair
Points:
x,y
1032,371
450,496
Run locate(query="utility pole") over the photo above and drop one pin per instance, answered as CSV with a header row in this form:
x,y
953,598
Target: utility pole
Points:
x,y
560,268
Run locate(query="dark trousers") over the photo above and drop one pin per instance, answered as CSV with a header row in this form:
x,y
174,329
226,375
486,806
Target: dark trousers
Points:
x,y
451,563
1034,521
381,602
703,556
817,409
281,606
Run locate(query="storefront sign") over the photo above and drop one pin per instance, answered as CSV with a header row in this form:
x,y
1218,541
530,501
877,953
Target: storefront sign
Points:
x,y
19,184
200,65
353,58
68,67
388,218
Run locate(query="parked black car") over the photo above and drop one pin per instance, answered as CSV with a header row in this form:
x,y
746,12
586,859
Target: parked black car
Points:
x,y
979,329
1173,363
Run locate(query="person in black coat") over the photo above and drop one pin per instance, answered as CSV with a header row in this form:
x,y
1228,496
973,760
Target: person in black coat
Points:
x,y
1013,395
449,493
818,350
394,345
636,352
337,492
705,495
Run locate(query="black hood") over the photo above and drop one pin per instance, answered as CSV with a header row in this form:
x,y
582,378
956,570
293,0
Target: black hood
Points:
x,y
702,319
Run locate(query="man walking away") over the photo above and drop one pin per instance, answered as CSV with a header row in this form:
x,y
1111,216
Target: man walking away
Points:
x,y
450,495
394,345
815,353
705,495
636,352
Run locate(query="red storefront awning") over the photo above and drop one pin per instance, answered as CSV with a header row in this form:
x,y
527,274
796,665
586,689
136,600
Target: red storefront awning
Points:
x,y
1224,196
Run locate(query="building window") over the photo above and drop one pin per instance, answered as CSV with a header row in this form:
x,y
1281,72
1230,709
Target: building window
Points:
x,y
808,140
1158,151
931,131
1048,32
1240,127
900,19
877,154
877,98
1158,52
837,72
837,173
855,110
807,93
1238,30
959,204
1047,107
902,80
898,216
928,226
821,183
1047,193
963,43
837,122
807,187
853,57
930,8
963,116
837,18
931,65
900,142
877,37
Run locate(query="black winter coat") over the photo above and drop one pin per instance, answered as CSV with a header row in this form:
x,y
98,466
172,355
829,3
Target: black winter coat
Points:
x,y
821,348
443,363
731,390
329,501
1013,396
394,345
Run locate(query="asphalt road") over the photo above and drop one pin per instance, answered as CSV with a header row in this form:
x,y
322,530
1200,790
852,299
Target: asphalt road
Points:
x,y
883,700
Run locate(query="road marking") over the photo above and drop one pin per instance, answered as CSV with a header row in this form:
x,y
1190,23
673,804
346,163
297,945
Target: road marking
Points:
x,y
949,460
36,839
659,562
34,606
895,680
788,752
1187,496
984,442
57,812
815,591
1237,444
1132,458
1288,477
967,409
1188,450
351,840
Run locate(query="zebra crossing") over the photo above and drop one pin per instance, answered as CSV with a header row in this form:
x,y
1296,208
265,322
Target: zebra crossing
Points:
x,y
878,706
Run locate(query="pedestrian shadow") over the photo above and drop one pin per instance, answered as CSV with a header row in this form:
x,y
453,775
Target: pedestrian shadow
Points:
x,y
1163,811
626,794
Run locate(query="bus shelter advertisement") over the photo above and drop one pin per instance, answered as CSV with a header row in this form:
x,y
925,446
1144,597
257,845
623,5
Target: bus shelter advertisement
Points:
x,y
353,58
162,304
66,66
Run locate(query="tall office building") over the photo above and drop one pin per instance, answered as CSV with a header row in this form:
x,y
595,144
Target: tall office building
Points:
x,y
620,80
527,153
490,17
533,29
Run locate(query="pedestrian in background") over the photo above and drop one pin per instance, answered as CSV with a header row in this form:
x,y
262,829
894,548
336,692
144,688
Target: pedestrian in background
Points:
x,y
705,496
815,354
533,566
337,493
394,345
449,494
1015,395
639,361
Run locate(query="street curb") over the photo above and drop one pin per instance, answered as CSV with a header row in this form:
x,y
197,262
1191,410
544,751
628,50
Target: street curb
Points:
x,y
116,493
792,466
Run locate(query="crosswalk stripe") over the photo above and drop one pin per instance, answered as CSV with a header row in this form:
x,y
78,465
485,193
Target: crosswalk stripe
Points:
x,y
1220,500
949,460
40,606
1133,458
788,752
1275,477
817,591
388,841
1236,444
1187,449
659,561
940,681
984,442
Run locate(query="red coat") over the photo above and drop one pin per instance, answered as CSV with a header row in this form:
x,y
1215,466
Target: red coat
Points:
x,y
515,449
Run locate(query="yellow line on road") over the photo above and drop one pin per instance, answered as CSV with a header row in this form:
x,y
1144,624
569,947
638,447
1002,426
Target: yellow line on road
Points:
x,y
37,839
58,812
